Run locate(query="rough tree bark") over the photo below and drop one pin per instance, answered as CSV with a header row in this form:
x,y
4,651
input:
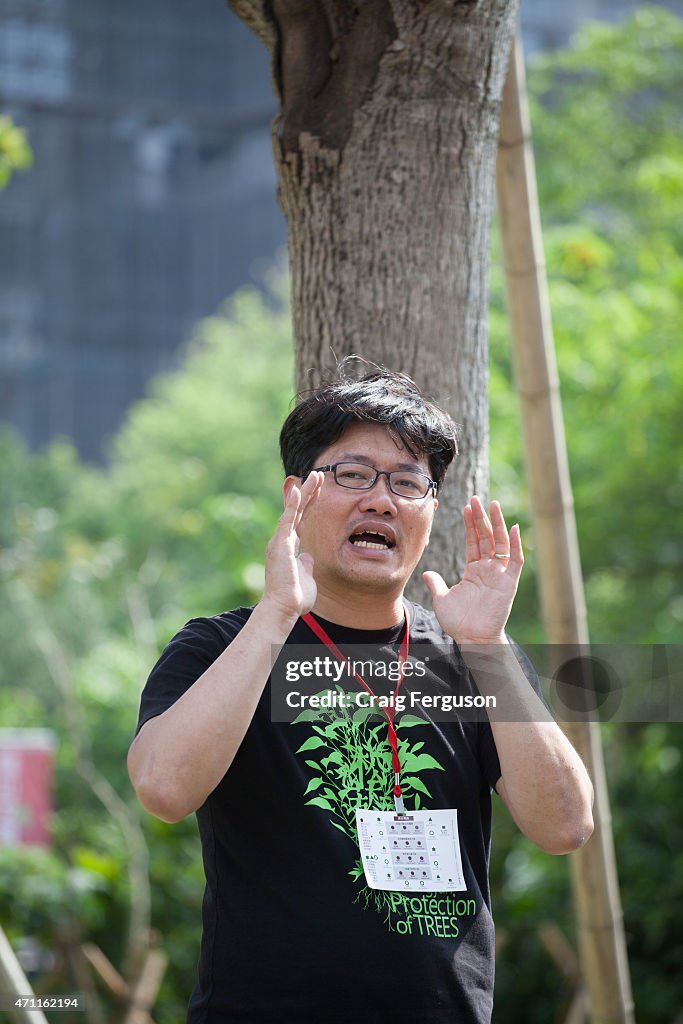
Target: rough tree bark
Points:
x,y
385,148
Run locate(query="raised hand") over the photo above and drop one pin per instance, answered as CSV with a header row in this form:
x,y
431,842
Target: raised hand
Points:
x,y
290,587
476,609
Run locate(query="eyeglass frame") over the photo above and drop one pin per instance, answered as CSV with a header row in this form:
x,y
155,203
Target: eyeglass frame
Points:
x,y
432,485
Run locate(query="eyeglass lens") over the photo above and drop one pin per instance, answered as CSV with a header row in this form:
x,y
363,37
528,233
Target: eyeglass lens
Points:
x,y
360,477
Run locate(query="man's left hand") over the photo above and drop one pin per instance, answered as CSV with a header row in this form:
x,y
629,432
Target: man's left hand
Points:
x,y
476,609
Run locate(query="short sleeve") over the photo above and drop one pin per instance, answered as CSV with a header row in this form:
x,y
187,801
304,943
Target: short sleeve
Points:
x,y
488,755
185,658
526,666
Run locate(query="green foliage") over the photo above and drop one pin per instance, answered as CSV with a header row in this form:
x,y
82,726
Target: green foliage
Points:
x,y
196,465
98,568
15,152
609,151
645,763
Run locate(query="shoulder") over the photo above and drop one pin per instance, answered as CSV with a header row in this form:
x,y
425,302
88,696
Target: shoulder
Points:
x,y
224,625
209,634
186,656
424,626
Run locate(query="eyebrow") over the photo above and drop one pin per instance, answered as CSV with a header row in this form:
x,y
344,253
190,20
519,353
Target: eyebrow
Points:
x,y
408,467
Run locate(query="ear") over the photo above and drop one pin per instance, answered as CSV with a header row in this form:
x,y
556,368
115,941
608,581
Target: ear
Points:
x,y
288,484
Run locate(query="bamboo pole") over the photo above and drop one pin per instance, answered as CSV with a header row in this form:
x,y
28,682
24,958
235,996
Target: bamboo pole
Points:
x,y
144,991
14,983
600,929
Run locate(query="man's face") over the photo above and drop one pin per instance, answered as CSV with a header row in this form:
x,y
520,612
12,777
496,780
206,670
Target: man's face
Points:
x,y
339,526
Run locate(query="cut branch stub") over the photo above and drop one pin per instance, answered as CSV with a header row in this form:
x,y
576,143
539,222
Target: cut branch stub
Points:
x,y
323,77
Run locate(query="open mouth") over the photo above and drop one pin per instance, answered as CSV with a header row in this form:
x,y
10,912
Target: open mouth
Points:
x,y
371,540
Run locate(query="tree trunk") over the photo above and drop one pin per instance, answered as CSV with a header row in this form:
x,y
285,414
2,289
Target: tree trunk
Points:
x,y
385,150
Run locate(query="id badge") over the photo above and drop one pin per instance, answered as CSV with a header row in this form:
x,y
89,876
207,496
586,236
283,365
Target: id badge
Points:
x,y
418,851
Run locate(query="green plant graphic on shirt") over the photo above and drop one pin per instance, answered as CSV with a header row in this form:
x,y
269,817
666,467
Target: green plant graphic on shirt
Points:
x,y
351,760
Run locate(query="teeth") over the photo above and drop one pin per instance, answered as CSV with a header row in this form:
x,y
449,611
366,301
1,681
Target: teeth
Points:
x,y
367,544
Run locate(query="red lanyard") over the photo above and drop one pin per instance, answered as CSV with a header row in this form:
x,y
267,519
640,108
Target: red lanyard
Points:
x,y
389,712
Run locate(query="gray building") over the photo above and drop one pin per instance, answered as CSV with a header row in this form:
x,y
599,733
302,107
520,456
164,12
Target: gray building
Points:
x,y
151,199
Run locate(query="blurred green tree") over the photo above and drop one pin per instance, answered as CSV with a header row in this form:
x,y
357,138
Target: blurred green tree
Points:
x,y
609,152
15,152
98,568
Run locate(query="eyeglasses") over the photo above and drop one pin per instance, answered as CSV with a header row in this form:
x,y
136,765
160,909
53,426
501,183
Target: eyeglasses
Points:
x,y
359,477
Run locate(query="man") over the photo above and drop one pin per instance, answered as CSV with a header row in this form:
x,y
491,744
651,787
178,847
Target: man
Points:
x,y
296,926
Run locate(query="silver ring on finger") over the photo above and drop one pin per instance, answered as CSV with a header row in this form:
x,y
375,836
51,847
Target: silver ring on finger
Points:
x,y
501,554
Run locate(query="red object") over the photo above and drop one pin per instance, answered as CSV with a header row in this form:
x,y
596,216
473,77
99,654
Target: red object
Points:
x,y
26,778
389,713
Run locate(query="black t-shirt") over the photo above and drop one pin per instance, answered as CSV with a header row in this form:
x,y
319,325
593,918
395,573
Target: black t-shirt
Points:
x,y
291,931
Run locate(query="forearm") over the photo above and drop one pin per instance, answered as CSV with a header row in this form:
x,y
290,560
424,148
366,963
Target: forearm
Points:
x,y
178,758
543,780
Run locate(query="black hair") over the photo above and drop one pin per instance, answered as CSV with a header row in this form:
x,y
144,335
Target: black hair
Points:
x,y
384,397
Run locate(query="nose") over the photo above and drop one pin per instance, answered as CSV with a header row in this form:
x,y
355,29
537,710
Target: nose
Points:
x,y
379,498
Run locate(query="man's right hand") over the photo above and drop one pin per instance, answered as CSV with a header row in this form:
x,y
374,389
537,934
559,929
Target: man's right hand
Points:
x,y
290,590
178,758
